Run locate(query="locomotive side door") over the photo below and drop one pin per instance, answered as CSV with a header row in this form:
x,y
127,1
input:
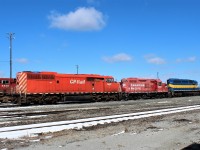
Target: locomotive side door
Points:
x,y
99,85
154,86
90,84
95,84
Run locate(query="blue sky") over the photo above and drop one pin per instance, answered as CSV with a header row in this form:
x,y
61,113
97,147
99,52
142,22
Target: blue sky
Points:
x,y
122,38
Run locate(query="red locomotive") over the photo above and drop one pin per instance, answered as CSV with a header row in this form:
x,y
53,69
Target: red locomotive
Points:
x,y
136,88
7,88
51,87
162,88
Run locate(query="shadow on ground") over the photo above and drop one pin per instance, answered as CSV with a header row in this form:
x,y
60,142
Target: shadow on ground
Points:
x,y
193,146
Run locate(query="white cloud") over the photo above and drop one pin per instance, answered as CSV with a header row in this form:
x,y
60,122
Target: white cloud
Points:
x,y
189,59
152,59
22,60
118,58
83,19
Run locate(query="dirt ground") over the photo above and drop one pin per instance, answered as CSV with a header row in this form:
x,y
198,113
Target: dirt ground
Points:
x,y
165,132
175,131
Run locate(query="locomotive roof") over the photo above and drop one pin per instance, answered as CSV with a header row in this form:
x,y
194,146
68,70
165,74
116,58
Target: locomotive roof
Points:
x,y
63,74
7,78
132,78
171,79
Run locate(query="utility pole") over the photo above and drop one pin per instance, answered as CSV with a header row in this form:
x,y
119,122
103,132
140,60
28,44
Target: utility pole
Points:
x,y
157,75
10,36
77,69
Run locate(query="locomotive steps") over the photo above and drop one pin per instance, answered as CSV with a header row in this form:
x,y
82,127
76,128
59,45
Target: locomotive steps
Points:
x,y
36,129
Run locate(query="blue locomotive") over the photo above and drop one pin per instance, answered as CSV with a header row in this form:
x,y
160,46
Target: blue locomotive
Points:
x,y
182,87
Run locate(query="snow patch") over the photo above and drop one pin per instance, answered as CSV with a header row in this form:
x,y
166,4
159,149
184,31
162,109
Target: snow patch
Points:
x,y
38,129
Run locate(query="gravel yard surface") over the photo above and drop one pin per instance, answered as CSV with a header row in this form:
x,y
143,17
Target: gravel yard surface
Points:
x,y
174,131
166,132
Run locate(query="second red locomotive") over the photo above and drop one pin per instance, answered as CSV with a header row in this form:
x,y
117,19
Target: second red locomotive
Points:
x,y
136,88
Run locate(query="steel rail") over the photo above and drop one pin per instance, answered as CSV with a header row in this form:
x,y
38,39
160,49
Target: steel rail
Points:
x,y
27,130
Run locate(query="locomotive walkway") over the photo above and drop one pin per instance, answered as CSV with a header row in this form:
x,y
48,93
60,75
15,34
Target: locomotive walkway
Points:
x,y
36,129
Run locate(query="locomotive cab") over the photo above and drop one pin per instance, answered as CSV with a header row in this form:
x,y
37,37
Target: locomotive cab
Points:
x,y
4,86
7,86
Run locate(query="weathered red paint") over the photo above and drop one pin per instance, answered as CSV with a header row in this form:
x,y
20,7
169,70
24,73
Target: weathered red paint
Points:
x,y
140,85
7,86
52,82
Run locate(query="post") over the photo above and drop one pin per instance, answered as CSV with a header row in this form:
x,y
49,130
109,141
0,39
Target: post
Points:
x,y
11,38
77,69
157,75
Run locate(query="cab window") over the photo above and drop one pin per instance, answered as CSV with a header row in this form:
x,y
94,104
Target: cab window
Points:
x,y
5,82
110,80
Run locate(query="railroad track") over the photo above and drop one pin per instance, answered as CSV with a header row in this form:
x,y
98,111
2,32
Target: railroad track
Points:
x,y
33,113
8,105
35,129
9,117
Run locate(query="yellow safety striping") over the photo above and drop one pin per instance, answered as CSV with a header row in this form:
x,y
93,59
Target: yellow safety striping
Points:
x,y
182,86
